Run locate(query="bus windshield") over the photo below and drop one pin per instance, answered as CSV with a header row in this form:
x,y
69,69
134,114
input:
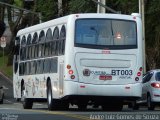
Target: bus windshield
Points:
x,y
105,33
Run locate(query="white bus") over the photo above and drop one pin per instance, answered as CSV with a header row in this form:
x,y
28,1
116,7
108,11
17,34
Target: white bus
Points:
x,y
80,59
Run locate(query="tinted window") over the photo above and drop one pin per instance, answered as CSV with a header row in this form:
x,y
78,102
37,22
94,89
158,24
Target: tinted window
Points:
x,y
33,51
55,43
40,66
62,40
23,41
158,76
103,33
53,65
41,46
33,67
147,77
29,38
21,69
63,32
56,33
49,35
41,37
35,38
48,44
23,53
28,68
46,66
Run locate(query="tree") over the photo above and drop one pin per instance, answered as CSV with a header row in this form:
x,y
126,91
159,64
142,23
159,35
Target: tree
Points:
x,y
48,10
82,6
2,27
21,22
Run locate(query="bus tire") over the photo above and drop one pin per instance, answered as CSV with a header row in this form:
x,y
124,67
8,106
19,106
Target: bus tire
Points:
x,y
1,101
52,103
150,104
27,102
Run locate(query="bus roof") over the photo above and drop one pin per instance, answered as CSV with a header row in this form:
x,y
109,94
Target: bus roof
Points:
x,y
63,20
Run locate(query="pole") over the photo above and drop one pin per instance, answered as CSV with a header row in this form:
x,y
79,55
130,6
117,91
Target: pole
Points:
x,y
140,7
59,8
101,9
143,34
106,7
3,56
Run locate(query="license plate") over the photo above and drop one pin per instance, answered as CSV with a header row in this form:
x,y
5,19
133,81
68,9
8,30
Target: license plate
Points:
x,y
104,77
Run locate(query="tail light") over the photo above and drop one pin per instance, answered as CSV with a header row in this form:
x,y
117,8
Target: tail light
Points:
x,y
155,85
70,72
140,69
139,73
68,66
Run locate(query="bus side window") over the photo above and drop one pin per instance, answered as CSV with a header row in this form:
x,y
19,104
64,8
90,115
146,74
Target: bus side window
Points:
x,y
34,42
20,69
49,38
23,48
40,66
55,41
29,44
62,40
41,44
27,68
46,65
53,65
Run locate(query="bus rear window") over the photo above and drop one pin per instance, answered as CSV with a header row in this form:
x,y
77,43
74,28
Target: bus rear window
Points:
x,y
106,33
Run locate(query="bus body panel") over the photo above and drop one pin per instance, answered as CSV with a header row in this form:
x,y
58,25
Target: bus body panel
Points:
x,y
120,67
127,90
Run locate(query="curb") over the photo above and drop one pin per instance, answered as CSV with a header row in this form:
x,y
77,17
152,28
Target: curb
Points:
x,y
7,78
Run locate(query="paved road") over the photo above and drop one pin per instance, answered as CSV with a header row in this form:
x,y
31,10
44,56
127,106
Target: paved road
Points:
x,y
12,110
8,88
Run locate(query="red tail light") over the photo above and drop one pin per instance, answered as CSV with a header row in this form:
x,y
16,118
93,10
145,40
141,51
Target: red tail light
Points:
x,y
70,72
139,74
140,69
155,85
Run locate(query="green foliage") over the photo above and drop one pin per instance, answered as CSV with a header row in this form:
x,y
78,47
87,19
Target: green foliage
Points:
x,y
18,3
6,70
82,6
49,9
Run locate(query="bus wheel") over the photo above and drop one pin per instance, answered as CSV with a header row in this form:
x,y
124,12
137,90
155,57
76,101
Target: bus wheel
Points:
x,y
150,104
1,101
27,103
52,103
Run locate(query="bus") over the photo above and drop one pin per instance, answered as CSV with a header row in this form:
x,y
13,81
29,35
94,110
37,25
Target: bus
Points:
x,y
80,59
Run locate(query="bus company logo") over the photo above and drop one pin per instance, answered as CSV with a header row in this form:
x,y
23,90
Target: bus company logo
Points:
x,y
86,72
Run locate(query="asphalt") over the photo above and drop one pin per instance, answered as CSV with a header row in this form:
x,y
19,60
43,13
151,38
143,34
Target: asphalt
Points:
x,y
7,83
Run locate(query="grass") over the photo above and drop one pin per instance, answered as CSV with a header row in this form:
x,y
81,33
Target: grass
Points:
x,y
6,70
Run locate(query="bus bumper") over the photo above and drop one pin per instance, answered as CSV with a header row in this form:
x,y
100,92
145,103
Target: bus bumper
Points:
x,y
127,90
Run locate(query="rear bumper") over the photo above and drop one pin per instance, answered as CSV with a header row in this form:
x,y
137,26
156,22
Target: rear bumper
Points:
x,y
128,90
156,96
